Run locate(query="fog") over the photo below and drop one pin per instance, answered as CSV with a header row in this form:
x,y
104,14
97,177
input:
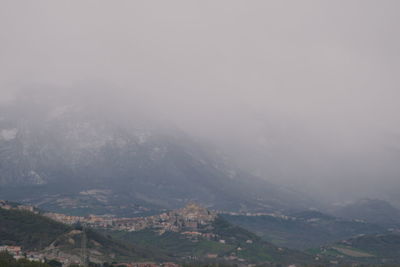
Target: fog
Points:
x,y
303,93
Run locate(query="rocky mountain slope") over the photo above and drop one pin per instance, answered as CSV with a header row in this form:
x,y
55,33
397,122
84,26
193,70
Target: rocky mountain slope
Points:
x,y
74,158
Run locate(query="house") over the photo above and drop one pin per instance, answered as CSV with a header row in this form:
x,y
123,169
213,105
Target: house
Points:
x,y
14,250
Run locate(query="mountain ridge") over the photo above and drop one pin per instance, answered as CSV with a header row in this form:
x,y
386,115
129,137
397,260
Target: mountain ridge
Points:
x,y
52,154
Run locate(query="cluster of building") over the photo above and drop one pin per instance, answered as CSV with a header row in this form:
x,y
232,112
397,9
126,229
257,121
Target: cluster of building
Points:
x,y
147,264
192,220
18,253
9,206
256,214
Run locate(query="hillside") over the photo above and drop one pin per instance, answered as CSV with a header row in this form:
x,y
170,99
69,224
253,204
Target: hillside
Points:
x,y
193,233
370,210
99,248
51,239
231,244
29,230
302,230
367,249
7,260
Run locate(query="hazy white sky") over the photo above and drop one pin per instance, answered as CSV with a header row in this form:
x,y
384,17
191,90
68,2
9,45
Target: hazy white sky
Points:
x,y
306,90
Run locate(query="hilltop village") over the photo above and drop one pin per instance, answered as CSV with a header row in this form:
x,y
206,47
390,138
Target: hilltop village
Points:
x,y
192,220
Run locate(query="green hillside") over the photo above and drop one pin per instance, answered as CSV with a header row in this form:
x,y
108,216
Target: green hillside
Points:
x,y
367,249
231,243
34,232
28,230
303,230
102,248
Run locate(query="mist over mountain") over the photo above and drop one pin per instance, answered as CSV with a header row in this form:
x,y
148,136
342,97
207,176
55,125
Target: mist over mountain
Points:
x,y
281,117
370,210
302,94
71,154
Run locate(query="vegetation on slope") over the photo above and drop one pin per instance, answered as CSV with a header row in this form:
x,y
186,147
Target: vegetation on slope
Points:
x,y
303,230
28,230
7,260
231,242
368,249
35,232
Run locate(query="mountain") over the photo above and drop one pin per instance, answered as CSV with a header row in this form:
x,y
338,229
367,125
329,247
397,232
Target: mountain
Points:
x,y
80,159
377,249
302,230
370,210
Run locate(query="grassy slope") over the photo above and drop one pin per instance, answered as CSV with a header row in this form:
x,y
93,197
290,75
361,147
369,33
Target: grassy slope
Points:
x,y
259,250
177,246
173,244
110,249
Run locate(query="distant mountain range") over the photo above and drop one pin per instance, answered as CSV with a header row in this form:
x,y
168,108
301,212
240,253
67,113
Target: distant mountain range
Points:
x,y
78,159
370,210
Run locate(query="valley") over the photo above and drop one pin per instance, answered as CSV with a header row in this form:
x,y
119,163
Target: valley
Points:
x,y
195,234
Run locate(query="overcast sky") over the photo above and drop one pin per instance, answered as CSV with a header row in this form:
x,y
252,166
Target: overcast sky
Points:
x,y
307,92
